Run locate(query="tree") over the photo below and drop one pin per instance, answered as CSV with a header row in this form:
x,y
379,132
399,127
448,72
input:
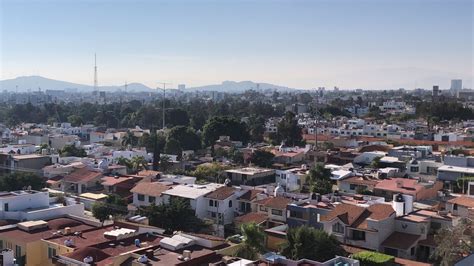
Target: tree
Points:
x,y
138,163
289,131
209,171
176,117
129,139
100,211
173,146
72,151
177,215
75,120
165,163
256,125
18,181
310,243
319,179
262,158
453,243
224,126
252,244
237,156
186,137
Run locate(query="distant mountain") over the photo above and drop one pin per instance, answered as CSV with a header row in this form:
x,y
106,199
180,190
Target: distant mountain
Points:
x,y
234,87
32,83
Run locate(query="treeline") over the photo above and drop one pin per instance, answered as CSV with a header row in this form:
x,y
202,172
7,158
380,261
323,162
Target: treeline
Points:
x,y
439,111
192,113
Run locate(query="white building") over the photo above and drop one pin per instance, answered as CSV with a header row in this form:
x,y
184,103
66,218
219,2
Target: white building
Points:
x,y
35,205
194,194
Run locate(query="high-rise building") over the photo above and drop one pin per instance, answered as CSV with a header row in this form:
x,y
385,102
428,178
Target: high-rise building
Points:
x,y
435,91
456,84
181,86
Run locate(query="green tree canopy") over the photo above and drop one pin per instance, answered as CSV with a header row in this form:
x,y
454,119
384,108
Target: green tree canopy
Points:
x,y
19,180
262,158
453,243
72,150
289,131
177,215
186,137
319,180
253,244
309,243
224,126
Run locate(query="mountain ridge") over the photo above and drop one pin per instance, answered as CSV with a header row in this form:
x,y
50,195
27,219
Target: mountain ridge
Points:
x,y
30,83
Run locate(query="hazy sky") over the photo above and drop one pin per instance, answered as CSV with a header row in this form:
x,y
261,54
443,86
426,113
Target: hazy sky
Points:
x,y
305,44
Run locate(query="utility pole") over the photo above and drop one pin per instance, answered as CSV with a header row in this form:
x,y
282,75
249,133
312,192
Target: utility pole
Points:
x,y
96,83
316,130
164,102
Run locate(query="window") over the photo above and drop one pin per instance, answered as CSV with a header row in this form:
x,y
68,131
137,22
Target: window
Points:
x,y
17,251
435,226
216,203
414,169
277,212
338,228
51,252
455,207
1,244
283,176
5,207
141,197
151,199
412,251
262,208
352,187
358,235
211,203
213,214
296,214
230,204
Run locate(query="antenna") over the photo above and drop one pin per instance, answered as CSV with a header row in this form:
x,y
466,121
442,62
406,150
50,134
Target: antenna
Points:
x,y
125,87
164,101
96,87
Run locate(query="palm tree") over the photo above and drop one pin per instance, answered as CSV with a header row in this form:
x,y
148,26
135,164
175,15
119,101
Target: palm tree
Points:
x,y
138,163
252,245
128,139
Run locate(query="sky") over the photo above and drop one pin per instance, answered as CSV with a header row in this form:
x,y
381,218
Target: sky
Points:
x,y
370,44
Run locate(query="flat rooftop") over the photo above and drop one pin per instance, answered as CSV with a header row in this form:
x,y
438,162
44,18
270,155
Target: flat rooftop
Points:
x,y
250,170
191,191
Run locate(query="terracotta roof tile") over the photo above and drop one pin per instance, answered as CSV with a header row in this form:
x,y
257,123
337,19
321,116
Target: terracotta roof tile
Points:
x,y
399,240
463,201
256,217
275,202
150,188
221,193
82,175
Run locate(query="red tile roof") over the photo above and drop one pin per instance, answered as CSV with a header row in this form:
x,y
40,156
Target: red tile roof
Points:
x,y
463,201
356,216
255,217
401,241
250,195
150,188
221,193
275,202
82,175
114,180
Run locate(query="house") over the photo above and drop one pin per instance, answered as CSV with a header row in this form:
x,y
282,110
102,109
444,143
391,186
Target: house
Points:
x,y
356,184
274,208
27,205
251,176
81,180
419,190
194,194
146,193
120,185
461,206
32,162
291,179
307,213
365,227
26,238
222,204
289,155
455,168
247,201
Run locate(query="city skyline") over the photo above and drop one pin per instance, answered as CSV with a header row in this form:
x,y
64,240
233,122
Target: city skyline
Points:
x,y
302,44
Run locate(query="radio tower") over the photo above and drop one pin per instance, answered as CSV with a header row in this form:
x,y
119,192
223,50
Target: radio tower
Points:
x,y
96,87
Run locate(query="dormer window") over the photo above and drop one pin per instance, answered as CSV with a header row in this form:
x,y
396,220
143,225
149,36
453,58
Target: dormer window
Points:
x,y
338,228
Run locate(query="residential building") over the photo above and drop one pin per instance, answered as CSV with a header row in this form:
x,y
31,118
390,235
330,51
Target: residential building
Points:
x,y
251,176
27,205
419,190
274,208
81,180
147,193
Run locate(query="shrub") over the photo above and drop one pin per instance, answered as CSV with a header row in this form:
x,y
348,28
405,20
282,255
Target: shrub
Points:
x,y
370,258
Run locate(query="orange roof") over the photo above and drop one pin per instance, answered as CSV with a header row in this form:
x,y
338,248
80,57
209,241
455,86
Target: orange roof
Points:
x,y
463,201
153,189
275,202
82,175
408,186
255,217
221,193
356,216
401,241
114,180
